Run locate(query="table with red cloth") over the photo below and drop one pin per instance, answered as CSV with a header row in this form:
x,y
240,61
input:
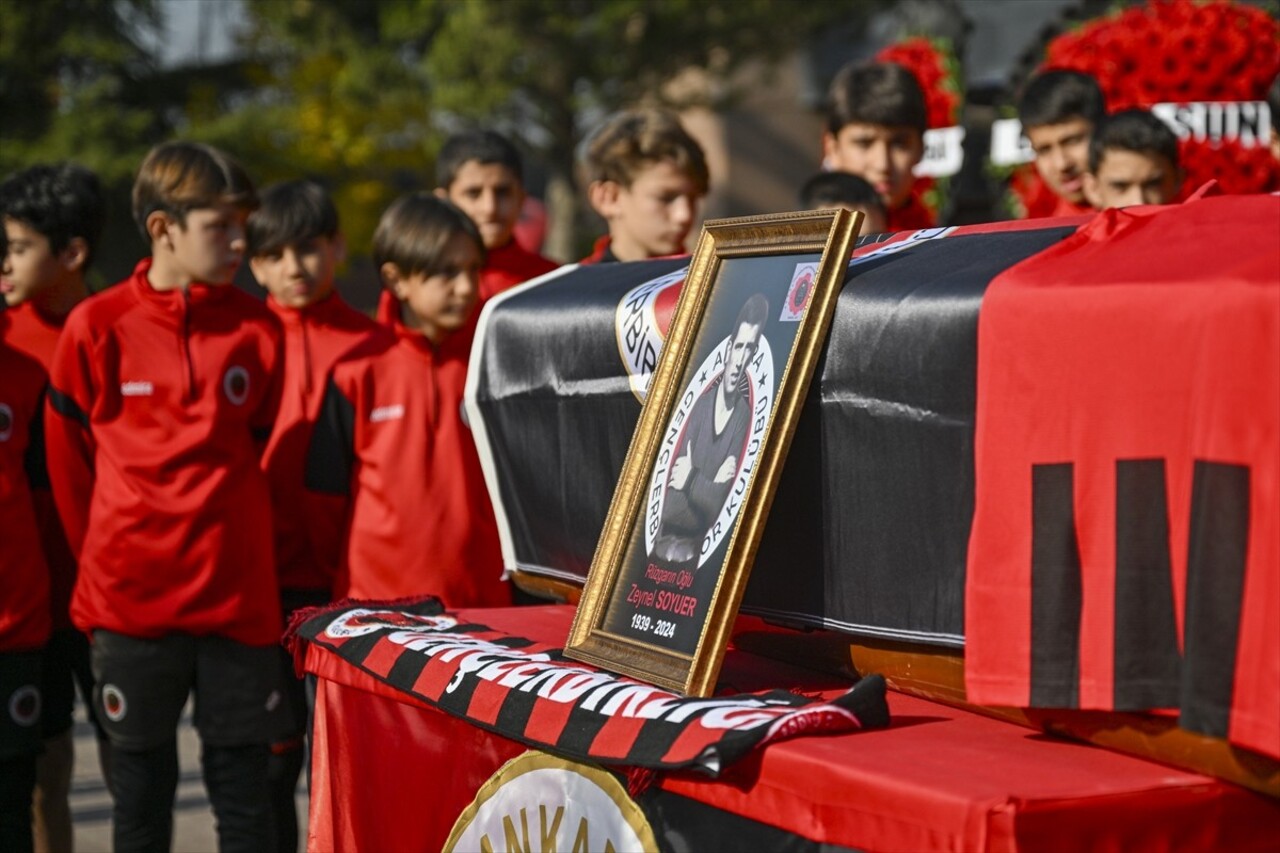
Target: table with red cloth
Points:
x,y
390,772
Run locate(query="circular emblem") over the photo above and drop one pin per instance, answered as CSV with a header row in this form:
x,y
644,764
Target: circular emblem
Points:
x,y
641,323
24,705
359,622
235,384
6,421
798,298
566,805
759,399
113,703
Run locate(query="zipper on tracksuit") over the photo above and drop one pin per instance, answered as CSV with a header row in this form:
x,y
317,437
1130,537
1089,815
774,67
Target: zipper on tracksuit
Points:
x,y
189,369
306,357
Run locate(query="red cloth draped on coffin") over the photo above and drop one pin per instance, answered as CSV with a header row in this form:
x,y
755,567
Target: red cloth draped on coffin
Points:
x,y
1125,549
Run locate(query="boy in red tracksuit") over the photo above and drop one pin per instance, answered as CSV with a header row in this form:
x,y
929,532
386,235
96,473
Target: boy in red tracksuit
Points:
x,y
876,119
53,217
294,249
1059,110
163,392
391,436
481,172
646,177
24,592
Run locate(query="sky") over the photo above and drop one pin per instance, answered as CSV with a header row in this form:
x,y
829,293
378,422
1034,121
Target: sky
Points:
x,y
198,30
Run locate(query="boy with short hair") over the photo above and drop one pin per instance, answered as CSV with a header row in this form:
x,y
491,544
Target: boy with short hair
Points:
x,y
481,172
294,248
876,119
390,437
645,175
1133,159
53,217
1059,111
163,390
24,592
828,190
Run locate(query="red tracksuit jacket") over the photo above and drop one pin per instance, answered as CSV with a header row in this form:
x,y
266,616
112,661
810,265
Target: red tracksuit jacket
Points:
x,y
160,401
24,577
28,331
391,437
315,338
912,216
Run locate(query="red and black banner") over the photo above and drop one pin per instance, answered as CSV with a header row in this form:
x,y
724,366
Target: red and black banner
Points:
x,y
529,692
1126,542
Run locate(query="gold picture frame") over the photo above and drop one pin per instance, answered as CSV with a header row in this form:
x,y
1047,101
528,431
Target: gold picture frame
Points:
x,y
698,479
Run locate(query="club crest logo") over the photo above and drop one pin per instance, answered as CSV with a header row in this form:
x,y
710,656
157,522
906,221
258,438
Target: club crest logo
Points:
x,y
799,293
641,322
359,622
114,704
817,718
6,422
538,801
235,384
24,705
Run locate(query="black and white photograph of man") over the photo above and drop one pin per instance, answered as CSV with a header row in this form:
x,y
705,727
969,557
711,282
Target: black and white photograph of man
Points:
x,y
710,451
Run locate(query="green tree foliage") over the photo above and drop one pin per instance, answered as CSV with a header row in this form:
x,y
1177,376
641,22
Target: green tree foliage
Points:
x,y
546,70
363,92
332,98
360,94
72,83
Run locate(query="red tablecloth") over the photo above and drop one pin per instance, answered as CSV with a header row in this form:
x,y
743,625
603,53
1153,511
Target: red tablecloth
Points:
x,y
391,774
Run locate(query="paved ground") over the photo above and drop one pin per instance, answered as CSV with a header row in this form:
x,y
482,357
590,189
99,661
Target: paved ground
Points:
x,y
193,830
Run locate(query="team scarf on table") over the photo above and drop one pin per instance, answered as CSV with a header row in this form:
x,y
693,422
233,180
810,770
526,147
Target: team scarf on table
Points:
x,y
529,692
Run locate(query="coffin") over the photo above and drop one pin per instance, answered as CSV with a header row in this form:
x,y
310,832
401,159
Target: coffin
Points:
x,y
952,460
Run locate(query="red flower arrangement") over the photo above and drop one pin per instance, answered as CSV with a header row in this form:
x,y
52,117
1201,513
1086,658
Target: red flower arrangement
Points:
x,y
1236,169
1176,51
934,66
1029,197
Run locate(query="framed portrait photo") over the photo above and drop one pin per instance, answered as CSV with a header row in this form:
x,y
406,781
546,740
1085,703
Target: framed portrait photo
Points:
x,y
687,515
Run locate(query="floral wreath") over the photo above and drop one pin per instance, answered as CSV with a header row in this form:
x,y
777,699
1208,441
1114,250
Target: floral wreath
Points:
x,y
933,63
1174,51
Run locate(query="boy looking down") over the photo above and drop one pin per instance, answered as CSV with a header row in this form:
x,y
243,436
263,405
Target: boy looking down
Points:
x,y
646,176
163,391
